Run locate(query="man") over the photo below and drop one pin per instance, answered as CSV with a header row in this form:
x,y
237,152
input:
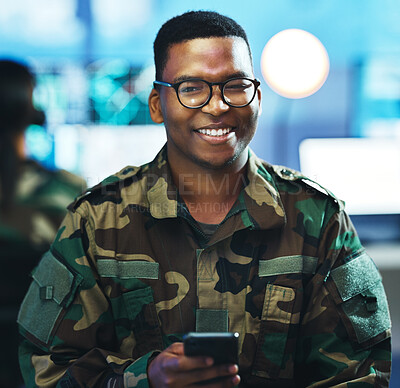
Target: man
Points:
x,y
205,238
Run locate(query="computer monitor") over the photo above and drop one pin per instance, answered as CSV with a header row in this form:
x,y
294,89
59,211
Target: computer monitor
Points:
x,y
97,151
364,172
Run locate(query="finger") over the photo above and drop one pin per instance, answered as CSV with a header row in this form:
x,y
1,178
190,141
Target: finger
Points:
x,y
188,362
225,372
228,382
185,363
176,348
174,359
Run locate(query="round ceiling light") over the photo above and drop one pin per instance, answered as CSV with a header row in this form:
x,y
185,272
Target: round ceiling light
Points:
x,y
294,63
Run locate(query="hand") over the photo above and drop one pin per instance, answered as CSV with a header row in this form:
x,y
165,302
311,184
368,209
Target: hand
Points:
x,y
171,368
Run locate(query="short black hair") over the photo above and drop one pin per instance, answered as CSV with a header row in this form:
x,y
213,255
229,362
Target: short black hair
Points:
x,y
193,25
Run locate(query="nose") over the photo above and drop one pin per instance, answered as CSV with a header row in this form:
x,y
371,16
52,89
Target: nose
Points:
x,y
216,106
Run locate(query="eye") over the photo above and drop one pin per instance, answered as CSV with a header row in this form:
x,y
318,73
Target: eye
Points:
x,y
238,85
189,89
192,87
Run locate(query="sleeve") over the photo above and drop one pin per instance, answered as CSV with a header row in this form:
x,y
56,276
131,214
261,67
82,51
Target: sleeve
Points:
x,y
72,334
345,328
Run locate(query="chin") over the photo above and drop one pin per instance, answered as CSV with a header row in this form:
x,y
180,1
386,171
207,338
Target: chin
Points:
x,y
212,164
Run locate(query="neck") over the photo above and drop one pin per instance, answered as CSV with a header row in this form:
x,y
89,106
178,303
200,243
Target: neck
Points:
x,y
209,193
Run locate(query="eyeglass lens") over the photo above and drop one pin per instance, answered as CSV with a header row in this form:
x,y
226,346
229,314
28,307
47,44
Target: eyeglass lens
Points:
x,y
237,92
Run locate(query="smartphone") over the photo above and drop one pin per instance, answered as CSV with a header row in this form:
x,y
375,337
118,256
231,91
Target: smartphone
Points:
x,y
222,347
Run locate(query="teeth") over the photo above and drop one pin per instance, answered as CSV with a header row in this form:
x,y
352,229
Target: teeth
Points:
x,y
215,132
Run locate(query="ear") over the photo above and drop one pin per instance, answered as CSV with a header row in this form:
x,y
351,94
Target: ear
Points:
x,y
259,101
155,107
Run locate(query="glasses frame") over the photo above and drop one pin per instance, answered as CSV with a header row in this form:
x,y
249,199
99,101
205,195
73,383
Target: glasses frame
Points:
x,y
221,85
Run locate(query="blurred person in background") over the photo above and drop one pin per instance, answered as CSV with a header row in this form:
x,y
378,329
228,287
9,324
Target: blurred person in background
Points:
x,y
33,202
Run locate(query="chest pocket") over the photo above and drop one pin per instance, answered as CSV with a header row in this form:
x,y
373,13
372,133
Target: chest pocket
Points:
x,y
277,315
143,321
136,306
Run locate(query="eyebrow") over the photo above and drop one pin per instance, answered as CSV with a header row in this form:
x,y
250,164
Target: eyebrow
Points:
x,y
185,77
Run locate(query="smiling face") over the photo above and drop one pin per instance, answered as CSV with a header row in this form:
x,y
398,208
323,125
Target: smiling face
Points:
x,y
216,135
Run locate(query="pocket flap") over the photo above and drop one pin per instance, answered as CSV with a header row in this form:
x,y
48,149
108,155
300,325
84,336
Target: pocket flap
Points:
x,y
362,297
53,287
368,323
53,278
136,300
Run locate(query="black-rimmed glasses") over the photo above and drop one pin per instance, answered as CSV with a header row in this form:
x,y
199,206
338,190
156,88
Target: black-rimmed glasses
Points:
x,y
195,93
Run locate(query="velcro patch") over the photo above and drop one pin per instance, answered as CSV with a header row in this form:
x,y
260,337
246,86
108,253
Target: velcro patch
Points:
x,y
48,293
288,264
355,276
208,320
368,322
109,268
360,287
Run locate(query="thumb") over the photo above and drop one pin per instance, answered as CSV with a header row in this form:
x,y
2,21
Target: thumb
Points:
x,y
176,348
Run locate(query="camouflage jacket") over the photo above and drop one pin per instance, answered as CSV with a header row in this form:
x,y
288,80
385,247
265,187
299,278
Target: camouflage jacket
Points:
x,y
129,273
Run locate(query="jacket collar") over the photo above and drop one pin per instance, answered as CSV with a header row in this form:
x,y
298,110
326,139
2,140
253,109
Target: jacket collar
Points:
x,y
260,198
162,193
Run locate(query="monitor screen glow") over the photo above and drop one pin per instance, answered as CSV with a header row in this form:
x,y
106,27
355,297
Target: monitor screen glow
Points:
x,y
364,172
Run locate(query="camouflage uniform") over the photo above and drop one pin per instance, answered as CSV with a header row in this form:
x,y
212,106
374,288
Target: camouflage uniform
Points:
x,y
130,272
